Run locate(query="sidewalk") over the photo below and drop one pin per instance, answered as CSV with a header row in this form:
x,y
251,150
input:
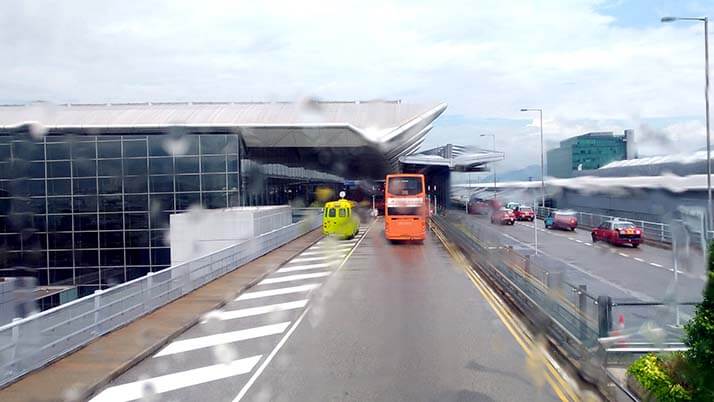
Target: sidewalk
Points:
x,y
77,376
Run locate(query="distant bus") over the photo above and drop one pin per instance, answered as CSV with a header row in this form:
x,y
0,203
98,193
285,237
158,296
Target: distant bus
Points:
x,y
405,209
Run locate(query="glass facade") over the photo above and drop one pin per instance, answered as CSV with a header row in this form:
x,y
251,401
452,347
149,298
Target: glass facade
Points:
x,y
586,152
93,211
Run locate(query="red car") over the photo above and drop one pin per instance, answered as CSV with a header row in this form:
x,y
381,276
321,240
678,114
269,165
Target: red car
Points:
x,y
524,213
561,220
618,233
504,216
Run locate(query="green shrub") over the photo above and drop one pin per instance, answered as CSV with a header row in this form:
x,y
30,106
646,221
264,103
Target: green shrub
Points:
x,y
651,375
700,339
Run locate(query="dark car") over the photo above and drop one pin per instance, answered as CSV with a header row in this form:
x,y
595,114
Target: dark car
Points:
x,y
480,206
567,220
618,233
504,216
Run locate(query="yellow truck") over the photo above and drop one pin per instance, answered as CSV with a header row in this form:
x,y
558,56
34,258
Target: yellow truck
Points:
x,y
340,220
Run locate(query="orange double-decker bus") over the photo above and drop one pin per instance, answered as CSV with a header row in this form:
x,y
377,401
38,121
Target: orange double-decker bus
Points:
x,y
405,208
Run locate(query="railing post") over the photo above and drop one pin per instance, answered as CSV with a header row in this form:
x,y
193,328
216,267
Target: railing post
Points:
x,y
15,338
604,315
148,294
582,307
97,307
555,279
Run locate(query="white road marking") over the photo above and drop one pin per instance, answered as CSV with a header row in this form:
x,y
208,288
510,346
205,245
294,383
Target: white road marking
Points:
x,y
267,360
276,292
289,278
326,252
624,255
587,244
578,240
280,344
639,259
571,238
306,259
654,264
622,289
249,312
201,342
165,383
332,247
293,268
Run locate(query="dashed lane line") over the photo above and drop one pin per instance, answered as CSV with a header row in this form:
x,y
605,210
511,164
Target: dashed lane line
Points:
x,y
170,382
654,264
638,259
624,255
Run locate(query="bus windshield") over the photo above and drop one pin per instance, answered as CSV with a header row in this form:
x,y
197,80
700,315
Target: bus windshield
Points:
x,y
404,186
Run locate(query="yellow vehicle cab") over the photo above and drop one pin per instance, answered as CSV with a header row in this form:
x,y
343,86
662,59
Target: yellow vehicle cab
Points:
x,y
339,219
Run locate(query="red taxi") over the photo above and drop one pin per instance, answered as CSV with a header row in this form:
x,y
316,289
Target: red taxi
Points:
x,y
524,213
618,233
504,216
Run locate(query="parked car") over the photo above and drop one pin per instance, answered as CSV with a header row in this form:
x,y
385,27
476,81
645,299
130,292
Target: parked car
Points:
x,y
561,220
504,216
618,232
524,213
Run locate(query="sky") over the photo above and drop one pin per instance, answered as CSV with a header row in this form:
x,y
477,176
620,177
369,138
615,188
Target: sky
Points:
x,y
591,65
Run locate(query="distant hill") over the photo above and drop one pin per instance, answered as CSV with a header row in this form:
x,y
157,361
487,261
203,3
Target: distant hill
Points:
x,y
532,171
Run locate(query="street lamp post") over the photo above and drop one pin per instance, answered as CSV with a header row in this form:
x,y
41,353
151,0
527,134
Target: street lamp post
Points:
x,y
705,20
493,164
542,169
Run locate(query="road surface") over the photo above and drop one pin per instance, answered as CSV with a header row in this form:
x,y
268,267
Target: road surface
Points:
x,y
361,320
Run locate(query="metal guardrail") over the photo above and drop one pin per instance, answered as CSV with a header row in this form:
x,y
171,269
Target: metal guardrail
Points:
x,y
29,343
585,328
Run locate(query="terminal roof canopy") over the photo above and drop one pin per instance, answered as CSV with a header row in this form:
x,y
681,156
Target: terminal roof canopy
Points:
x,y
351,139
455,157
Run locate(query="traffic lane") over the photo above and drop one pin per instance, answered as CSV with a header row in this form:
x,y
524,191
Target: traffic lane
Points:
x,y
691,262
400,322
633,261
213,359
602,269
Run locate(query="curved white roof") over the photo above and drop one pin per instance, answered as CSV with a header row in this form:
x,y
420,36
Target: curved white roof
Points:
x,y
456,157
393,127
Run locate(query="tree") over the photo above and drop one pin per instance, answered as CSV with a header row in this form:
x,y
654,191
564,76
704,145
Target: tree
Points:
x,y
700,339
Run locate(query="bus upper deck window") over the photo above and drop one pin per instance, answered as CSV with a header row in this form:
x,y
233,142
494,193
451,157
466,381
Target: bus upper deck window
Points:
x,y
332,213
405,186
343,212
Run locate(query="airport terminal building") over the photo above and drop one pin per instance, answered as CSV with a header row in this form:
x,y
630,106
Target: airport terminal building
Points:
x,y
86,191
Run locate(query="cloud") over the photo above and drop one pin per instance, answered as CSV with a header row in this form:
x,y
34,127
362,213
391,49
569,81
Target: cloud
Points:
x,y
486,59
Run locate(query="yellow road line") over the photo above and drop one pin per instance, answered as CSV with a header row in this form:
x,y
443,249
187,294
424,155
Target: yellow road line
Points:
x,y
555,380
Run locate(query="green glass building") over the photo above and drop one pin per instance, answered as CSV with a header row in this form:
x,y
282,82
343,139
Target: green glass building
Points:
x,y
589,151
